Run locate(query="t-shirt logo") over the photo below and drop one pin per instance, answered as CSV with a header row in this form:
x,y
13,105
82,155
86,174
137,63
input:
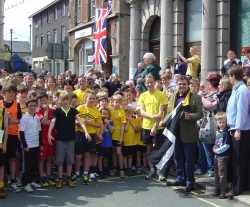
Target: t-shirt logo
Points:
x,y
87,116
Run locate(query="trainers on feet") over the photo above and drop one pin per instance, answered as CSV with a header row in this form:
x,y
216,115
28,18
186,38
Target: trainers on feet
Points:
x,y
139,171
97,176
8,179
92,177
70,183
2,193
150,175
35,185
122,174
75,178
161,177
14,188
113,172
85,180
19,182
28,188
59,184
43,183
50,182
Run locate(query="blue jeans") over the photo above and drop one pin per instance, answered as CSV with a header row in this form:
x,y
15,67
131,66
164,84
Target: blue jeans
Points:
x,y
202,158
185,161
210,157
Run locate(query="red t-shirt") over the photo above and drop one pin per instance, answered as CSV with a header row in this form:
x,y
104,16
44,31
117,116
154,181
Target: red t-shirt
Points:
x,y
45,128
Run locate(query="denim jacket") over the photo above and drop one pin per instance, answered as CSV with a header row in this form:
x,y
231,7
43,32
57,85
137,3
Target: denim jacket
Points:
x,y
238,108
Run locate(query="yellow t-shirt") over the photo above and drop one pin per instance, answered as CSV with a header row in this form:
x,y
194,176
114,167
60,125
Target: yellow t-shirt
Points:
x,y
129,136
80,94
138,134
118,117
193,66
90,114
151,103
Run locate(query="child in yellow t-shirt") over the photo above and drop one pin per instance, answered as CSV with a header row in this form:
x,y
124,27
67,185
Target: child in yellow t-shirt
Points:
x,y
129,140
119,119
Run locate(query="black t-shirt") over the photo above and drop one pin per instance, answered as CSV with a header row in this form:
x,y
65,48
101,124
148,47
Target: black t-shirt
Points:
x,y
19,111
112,87
65,124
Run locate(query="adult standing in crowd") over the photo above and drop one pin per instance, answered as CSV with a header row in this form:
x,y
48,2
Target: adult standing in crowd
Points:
x,y
185,143
152,68
209,98
113,84
81,91
193,62
61,82
139,71
238,120
30,81
246,62
232,60
182,67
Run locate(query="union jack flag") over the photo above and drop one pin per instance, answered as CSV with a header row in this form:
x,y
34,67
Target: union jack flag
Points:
x,y
99,37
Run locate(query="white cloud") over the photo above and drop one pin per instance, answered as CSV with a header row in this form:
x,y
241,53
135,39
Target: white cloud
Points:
x,y
16,17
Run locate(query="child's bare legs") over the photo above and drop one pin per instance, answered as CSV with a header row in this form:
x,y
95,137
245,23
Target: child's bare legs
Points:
x,y
120,157
87,156
12,166
78,163
130,158
144,159
114,157
40,167
125,161
49,165
99,160
60,171
69,169
138,158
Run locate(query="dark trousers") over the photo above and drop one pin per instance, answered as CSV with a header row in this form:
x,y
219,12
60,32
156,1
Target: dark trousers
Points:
x,y
240,162
220,174
31,162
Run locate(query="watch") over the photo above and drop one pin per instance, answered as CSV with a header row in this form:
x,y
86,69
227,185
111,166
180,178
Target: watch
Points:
x,y
156,125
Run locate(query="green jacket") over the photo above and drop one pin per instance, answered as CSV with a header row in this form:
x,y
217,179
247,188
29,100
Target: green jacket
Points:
x,y
188,128
152,69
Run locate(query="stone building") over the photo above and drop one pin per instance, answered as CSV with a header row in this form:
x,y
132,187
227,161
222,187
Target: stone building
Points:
x,y
50,25
1,33
81,34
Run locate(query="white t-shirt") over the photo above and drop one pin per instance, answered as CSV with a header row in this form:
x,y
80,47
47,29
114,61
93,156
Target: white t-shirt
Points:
x,y
31,126
133,105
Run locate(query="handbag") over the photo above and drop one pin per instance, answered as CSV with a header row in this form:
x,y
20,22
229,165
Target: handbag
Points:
x,y
207,133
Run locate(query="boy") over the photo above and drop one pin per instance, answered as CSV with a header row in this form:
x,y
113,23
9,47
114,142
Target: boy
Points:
x,y
31,137
74,102
194,85
102,99
221,151
119,119
158,85
64,121
124,103
129,141
129,95
166,81
5,77
14,115
44,112
84,145
3,143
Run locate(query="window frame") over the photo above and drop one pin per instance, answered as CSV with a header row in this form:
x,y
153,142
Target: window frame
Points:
x,y
63,33
63,11
55,12
42,40
55,36
48,16
48,37
36,41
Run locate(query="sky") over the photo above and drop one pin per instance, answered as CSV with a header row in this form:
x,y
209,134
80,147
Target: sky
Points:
x,y
16,17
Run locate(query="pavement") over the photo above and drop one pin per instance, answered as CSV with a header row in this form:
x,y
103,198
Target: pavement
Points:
x,y
208,184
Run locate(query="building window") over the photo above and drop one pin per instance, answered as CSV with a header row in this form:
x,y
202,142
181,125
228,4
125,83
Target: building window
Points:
x,y
92,9
55,13
41,19
63,33
55,36
48,16
36,41
48,37
35,23
63,8
41,40
79,10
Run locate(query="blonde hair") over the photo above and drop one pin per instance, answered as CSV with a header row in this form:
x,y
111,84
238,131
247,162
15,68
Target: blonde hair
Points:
x,y
194,81
65,96
166,76
220,116
129,109
170,59
117,97
168,88
225,84
14,81
231,52
248,82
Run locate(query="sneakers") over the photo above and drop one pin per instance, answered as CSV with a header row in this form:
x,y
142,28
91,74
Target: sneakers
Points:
x,y
92,177
122,174
2,193
14,188
198,172
160,177
8,179
97,176
85,180
44,183
35,185
50,182
70,183
75,178
19,182
28,188
139,171
59,184
113,172
150,175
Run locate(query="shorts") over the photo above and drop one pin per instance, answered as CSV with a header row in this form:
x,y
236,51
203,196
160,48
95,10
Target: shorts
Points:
x,y
104,152
128,150
2,157
97,147
147,138
115,143
47,151
12,146
140,148
83,145
64,150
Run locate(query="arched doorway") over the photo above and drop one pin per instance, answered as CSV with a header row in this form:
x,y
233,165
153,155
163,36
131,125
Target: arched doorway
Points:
x,y
154,38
